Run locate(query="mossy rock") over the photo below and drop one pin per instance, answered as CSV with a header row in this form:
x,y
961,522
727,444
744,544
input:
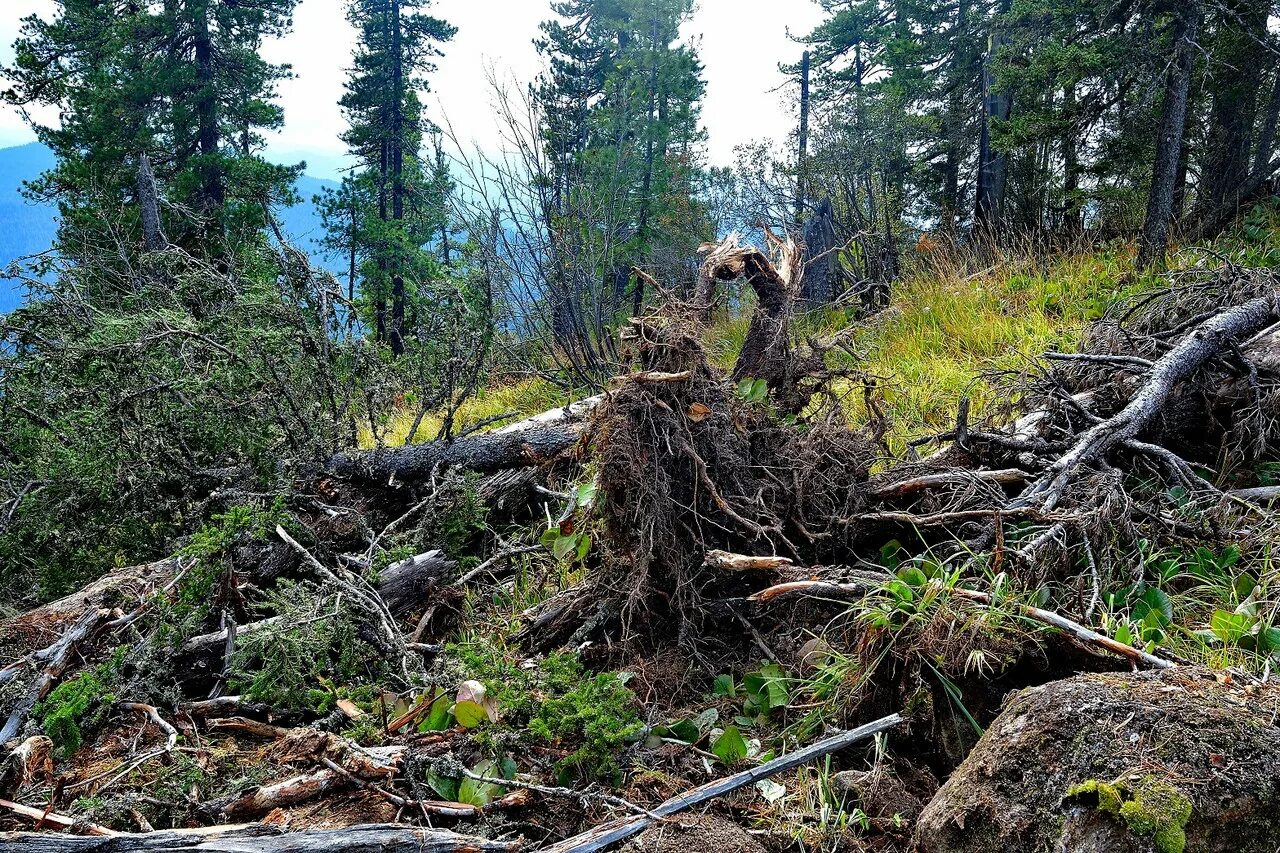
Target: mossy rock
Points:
x,y
1171,762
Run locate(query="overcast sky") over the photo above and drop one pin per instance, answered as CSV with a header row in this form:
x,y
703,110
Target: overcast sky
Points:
x,y
741,43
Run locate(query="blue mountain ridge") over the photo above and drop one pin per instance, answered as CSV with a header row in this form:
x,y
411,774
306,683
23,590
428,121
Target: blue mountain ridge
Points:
x,y
27,228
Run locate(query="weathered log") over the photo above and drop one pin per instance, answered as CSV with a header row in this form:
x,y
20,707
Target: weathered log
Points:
x,y
125,588
44,817
403,585
623,828
261,838
527,443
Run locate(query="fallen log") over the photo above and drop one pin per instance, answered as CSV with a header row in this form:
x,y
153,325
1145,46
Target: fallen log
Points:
x,y
623,828
520,445
261,838
42,625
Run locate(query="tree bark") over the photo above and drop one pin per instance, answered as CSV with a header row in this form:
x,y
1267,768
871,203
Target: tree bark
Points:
x,y
260,838
1154,241
992,165
524,444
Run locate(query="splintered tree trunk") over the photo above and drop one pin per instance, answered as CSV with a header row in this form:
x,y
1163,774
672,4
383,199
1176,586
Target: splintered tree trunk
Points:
x,y
260,838
149,205
1154,241
820,269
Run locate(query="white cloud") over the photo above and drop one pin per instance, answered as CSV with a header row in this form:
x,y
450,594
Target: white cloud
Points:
x,y
741,44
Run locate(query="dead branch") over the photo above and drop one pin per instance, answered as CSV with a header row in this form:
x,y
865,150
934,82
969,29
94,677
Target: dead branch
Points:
x,y
55,659
623,828
744,563
907,488
44,817
1082,633
1210,339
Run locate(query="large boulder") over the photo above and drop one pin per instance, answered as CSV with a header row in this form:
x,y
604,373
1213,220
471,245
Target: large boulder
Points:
x,y
1182,760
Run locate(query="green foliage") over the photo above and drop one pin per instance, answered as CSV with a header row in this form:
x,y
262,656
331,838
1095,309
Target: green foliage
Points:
x,y
593,717
310,656
77,705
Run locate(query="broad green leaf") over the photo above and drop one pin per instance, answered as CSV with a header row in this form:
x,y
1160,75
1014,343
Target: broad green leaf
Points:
x,y
686,731
1230,627
724,686
586,494
584,546
470,714
480,794
730,747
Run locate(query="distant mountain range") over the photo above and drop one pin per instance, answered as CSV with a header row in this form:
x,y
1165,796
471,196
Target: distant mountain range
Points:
x,y
27,228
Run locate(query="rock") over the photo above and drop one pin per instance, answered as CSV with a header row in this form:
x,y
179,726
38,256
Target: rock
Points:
x,y
701,834
1144,763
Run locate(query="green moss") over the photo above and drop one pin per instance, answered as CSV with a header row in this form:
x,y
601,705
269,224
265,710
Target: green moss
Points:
x,y
77,705
1149,807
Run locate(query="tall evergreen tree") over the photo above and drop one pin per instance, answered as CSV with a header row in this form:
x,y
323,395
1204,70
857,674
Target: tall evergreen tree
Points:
x,y
181,83
396,52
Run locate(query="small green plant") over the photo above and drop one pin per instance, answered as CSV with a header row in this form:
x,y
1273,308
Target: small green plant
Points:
x,y
753,391
76,705
560,703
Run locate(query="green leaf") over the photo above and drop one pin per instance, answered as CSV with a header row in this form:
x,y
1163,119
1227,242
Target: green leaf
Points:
x,y
706,721
564,546
724,686
586,494
584,546
730,747
444,786
437,719
470,714
549,536
1230,627
912,576
686,731
480,794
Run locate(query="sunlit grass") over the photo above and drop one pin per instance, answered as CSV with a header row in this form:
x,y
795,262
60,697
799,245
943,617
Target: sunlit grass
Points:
x,y
520,398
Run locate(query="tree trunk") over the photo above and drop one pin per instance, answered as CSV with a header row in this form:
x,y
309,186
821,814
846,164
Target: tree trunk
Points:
x,y
1244,50
213,194
803,150
992,165
1154,241
149,205
397,176
821,264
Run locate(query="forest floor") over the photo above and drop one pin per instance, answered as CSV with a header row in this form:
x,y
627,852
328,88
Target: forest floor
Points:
x,y
578,666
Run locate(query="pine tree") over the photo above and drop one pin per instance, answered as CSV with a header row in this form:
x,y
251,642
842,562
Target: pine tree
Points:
x,y
182,84
398,43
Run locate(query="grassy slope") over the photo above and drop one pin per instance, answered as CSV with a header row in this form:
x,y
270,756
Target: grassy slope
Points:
x,y
950,329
